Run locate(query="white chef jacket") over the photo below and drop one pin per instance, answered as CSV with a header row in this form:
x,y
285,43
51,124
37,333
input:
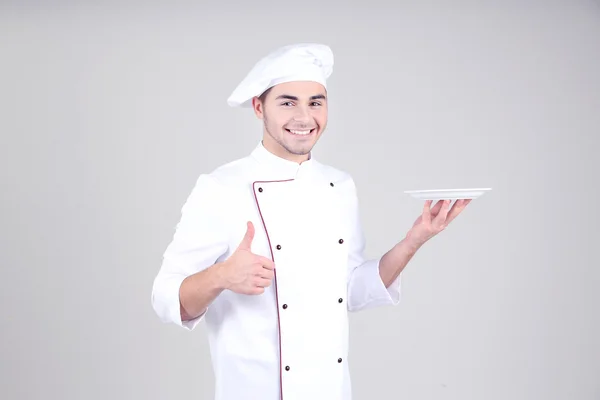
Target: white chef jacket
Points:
x,y
291,342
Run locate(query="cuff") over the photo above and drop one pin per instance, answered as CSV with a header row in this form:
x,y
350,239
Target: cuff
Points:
x,y
166,303
367,290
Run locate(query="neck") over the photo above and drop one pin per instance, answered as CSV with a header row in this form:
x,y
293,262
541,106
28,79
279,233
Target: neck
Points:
x,y
278,150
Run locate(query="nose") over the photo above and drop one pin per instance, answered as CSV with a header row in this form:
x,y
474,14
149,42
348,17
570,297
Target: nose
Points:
x,y
302,115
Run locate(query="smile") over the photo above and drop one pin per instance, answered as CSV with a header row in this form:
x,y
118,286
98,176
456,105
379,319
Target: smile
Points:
x,y
300,133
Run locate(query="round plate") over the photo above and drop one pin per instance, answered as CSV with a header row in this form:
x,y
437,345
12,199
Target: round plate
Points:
x,y
447,194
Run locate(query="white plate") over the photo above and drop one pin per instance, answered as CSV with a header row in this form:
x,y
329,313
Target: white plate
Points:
x,y
447,194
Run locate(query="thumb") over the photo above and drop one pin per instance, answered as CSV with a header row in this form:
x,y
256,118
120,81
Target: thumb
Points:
x,y
247,240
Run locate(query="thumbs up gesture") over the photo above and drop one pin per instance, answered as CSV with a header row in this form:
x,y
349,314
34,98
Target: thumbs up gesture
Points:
x,y
245,272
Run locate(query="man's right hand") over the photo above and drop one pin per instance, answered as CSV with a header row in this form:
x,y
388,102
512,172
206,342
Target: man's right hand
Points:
x,y
245,272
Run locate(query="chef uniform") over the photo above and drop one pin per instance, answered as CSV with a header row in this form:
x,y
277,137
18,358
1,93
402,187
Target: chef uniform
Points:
x,y
291,342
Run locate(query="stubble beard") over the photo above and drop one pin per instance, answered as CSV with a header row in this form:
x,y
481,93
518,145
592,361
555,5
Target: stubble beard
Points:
x,y
301,151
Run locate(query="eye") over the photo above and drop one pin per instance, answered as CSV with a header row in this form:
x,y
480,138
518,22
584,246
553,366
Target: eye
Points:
x,y
316,104
287,103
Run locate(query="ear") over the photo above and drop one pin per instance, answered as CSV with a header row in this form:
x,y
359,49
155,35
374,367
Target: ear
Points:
x,y
257,106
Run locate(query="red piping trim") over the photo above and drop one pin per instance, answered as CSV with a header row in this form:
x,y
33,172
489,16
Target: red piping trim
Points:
x,y
275,279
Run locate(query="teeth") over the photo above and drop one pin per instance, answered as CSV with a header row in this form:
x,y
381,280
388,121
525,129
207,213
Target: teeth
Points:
x,y
300,132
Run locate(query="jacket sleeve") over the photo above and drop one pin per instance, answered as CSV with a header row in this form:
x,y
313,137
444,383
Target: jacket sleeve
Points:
x,y
365,286
200,239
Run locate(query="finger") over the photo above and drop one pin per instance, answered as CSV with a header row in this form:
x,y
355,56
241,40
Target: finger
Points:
x,y
262,282
453,211
436,209
255,290
266,262
443,213
265,273
427,211
457,208
246,242
269,273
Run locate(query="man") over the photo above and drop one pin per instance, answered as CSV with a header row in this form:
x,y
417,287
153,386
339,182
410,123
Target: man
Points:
x,y
269,248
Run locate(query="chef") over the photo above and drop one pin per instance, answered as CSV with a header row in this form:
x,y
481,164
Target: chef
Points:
x,y
269,248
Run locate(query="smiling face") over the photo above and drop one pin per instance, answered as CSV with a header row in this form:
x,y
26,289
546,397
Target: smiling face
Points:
x,y
294,116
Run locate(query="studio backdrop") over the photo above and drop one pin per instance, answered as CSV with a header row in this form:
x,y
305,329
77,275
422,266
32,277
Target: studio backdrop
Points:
x,y
109,111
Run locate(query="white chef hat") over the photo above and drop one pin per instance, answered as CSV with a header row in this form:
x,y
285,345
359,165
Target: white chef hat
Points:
x,y
296,62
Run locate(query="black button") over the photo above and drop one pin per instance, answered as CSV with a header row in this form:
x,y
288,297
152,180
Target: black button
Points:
x,y
278,247
341,241
287,368
260,189
340,300
339,360
284,306
331,183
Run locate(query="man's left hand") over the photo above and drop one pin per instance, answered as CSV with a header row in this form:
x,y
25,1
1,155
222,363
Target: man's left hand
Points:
x,y
434,220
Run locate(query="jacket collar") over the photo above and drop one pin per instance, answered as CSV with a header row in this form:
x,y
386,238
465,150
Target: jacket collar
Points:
x,y
280,168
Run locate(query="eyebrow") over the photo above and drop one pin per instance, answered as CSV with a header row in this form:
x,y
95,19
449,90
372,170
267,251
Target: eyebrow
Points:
x,y
289,97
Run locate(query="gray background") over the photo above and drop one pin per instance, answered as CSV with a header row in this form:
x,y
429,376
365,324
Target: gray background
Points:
x,y
109,112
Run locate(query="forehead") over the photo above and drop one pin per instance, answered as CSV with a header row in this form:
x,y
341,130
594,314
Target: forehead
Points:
x,y
299,89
